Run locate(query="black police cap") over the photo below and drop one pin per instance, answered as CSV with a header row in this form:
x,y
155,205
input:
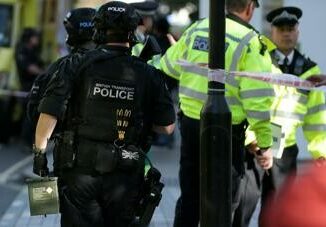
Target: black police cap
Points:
x,y
284,16
146,8
79,25
117,15
80,18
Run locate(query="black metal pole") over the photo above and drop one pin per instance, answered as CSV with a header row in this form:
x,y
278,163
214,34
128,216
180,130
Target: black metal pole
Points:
x,y
215,133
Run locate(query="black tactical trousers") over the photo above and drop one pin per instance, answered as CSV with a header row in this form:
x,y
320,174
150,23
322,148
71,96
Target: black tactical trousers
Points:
x,y
107,200
258,184
187,207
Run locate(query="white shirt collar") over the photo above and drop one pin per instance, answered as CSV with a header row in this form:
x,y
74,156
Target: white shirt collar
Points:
x,y
281,57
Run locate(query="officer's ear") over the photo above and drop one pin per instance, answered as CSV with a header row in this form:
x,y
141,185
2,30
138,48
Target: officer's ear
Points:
x,y
296,27
249,11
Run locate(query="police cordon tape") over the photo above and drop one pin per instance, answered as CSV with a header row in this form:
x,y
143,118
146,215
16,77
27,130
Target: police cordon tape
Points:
x,y
19,94
221,76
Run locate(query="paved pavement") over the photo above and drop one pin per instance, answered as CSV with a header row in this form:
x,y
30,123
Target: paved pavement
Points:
x,y
166,159
12,158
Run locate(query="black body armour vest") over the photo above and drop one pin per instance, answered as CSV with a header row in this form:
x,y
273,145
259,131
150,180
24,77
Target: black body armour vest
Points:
x,y
104,103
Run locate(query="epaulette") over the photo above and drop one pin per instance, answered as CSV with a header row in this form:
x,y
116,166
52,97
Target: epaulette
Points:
x,y
307,62
263,45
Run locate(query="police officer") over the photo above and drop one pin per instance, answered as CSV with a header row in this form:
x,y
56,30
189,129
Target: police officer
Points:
x,y
28,58
80,28
108,99
248,100
29,66
292,108
307,108
146,10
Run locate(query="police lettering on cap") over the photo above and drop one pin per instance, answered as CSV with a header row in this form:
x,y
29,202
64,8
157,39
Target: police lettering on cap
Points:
x,y
284,16
79,25
116,15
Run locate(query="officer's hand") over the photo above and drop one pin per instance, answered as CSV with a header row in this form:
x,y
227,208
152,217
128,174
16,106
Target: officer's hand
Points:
x,y
318,80
171,39
253,147
265,158
40,164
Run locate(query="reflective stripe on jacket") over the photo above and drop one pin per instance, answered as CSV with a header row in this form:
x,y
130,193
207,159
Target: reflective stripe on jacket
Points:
x,y
136,50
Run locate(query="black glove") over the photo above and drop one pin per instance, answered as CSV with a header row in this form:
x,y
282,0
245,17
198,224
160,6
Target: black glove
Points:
x,y
40,164
151,48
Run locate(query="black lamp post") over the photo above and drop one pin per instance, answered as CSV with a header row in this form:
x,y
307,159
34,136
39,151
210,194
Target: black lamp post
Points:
x,y
215,133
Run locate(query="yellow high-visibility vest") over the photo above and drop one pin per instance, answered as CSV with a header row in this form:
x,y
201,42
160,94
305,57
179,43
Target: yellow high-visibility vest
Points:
x,y
294,108
247,99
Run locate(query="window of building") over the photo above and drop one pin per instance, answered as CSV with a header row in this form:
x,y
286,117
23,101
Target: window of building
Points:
x,y
6,18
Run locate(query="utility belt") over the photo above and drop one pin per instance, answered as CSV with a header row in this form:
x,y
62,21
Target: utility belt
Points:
x,y
94,157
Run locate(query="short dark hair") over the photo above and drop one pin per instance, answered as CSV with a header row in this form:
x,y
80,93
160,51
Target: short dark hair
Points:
x,y
28,33
236,5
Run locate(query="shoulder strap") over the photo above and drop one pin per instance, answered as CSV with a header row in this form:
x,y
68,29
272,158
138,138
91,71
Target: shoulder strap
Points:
x,y
238,51
95,56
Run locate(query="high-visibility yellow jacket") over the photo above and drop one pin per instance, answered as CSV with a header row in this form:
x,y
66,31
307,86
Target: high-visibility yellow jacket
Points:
x,y
294,108
136,50
248,99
